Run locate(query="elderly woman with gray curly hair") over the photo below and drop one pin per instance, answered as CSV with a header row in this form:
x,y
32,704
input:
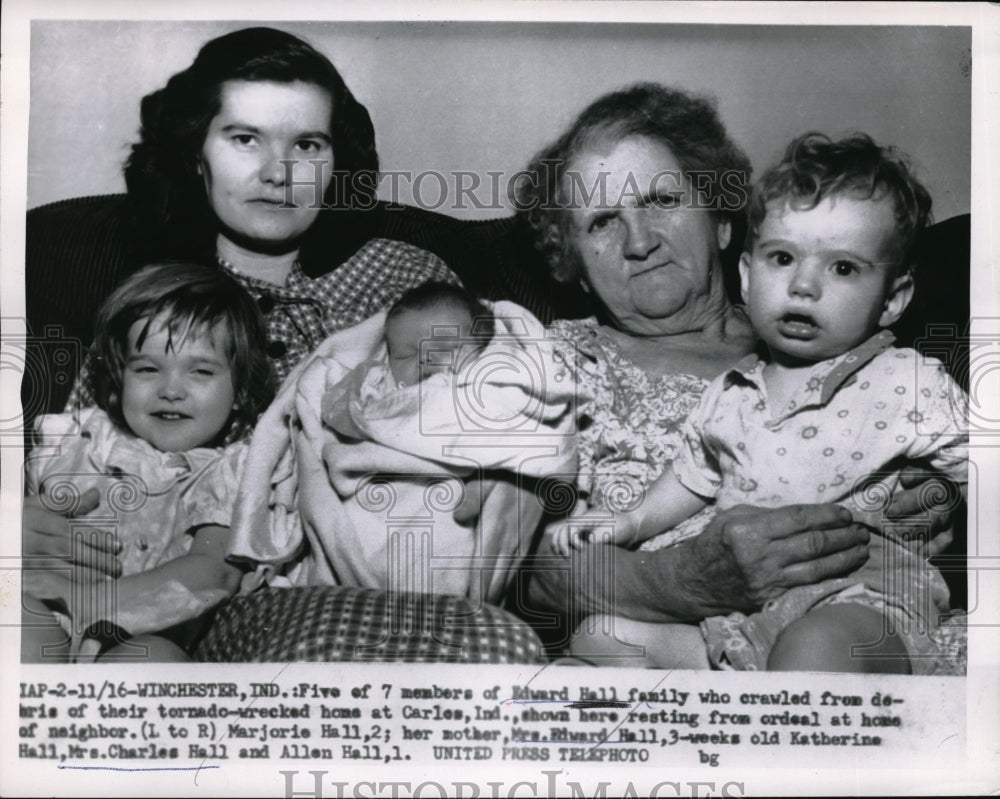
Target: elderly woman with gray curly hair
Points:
x,y
638,202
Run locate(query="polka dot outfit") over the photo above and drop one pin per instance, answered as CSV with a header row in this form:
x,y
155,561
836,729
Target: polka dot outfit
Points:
x,y
840,438
152,500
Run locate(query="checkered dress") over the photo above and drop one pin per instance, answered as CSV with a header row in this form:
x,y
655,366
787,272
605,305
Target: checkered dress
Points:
x,y
329,623
304,311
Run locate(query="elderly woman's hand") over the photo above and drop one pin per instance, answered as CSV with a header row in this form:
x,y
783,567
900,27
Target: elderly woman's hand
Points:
x,y
747,556
743,558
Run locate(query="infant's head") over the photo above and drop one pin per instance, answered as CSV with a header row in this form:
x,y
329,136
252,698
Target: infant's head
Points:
x,y
830,247
434,328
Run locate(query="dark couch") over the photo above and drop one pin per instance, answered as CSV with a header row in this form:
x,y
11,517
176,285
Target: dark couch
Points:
x,y
77,250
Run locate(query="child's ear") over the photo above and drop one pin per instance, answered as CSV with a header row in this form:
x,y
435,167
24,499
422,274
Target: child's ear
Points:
x,y
745,277
898,298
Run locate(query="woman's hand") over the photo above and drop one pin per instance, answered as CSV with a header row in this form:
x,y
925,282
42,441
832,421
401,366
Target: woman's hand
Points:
x,y
75,590
743,558
747,556
923,510
49,535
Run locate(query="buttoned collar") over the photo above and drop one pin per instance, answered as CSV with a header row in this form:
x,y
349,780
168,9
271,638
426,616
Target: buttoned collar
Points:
x,y
296,279
821,381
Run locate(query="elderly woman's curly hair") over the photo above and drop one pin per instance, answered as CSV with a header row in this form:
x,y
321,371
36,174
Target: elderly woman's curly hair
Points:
x,y
815,167
168,195
686,124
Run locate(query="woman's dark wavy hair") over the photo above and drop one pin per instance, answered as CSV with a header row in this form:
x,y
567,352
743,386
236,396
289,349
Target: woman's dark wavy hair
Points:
x,y
193,300
815,167
688,125
166,191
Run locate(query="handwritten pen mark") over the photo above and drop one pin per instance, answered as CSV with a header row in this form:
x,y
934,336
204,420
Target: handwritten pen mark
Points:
x,y
584,704
620,723
119,768
591,744
512,701
659,682
541,669
222,736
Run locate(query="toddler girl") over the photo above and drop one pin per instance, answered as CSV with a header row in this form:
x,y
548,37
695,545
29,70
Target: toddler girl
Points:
x,y
181,376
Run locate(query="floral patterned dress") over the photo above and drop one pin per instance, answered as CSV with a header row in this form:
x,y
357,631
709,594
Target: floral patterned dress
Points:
x,y
631,430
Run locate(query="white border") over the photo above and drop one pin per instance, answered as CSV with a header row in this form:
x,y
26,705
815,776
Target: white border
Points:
x,y
979,773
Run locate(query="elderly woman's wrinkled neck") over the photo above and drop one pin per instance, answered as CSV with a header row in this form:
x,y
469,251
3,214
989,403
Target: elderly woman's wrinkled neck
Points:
x,y
703,342
652,312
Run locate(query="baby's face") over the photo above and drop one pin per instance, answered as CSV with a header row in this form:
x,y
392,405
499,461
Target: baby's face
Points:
x,y
820,281
425,342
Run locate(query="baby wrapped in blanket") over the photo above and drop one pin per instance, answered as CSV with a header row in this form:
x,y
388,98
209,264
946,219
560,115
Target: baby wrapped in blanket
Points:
x,y
404,454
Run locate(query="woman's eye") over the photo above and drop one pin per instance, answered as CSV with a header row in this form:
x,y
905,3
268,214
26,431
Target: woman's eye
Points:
x,y
309,146
204,372
845,268
601,222
780,257
666,200
243,139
